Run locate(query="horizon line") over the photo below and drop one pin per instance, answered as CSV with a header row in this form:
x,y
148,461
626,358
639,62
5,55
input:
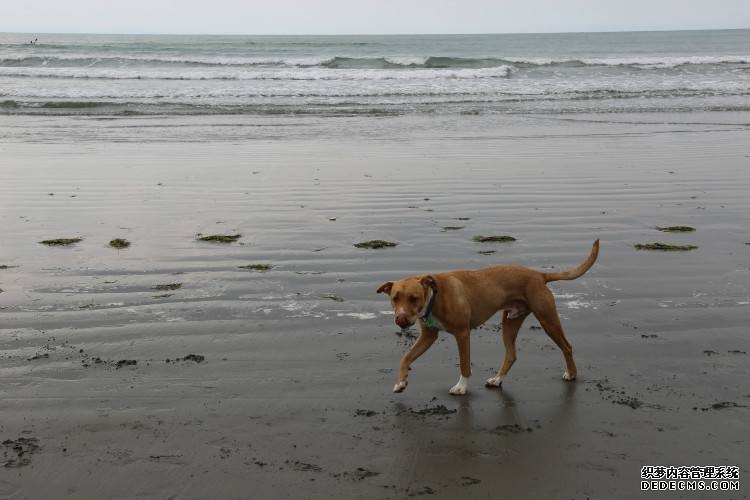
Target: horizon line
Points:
x,y
36,33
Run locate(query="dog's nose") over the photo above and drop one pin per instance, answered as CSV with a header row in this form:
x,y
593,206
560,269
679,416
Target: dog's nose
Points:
x,y
402,320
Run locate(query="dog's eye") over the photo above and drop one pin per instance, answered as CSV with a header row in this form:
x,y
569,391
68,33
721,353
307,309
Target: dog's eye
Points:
x,y
413,299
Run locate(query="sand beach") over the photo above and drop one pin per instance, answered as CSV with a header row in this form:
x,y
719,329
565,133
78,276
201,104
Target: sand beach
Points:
x,y
164,370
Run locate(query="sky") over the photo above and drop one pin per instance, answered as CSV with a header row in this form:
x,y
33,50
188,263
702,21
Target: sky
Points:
x,y
367,16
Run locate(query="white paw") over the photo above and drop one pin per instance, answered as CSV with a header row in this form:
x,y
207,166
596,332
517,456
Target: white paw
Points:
x,y
567,376
461,387
400,386
494,382
458,390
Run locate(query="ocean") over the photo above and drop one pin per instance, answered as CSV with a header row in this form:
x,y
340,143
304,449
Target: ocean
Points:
x,y
134,75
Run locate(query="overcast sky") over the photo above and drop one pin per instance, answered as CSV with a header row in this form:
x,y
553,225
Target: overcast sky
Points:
x,y
367,16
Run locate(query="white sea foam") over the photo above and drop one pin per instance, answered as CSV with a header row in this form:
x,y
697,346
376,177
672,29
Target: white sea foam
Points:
x,y
362,316
231,73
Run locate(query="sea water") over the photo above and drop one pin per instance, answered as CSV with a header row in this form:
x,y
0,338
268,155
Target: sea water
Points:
x,y
132,75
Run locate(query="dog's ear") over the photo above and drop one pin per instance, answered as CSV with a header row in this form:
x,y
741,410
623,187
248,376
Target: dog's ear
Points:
x,y
386,287
428,281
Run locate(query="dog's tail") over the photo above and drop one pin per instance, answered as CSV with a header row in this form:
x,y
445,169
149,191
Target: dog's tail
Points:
x,y
572,274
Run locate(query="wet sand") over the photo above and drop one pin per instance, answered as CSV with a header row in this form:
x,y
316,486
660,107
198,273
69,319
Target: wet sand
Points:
x,y
293,397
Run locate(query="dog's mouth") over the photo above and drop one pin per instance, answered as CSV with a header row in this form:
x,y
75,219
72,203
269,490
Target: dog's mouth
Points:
x,y
403,321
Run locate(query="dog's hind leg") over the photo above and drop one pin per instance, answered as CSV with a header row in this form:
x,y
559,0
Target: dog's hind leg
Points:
x,y
542,304
510,332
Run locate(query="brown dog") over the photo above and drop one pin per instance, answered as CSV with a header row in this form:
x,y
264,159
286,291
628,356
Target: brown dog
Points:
x,y
458,301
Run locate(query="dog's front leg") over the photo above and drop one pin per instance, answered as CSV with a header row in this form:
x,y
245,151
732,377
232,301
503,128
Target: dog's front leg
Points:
x,y
464,356
426,338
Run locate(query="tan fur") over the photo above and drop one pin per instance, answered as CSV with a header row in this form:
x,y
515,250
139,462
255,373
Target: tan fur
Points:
x,y
466,299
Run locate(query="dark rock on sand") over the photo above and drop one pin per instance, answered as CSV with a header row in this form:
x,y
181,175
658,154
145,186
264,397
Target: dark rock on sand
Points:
x,y
630,401
18,452
303,467
125,362
358,474
437,410
511,429
722,405
424,490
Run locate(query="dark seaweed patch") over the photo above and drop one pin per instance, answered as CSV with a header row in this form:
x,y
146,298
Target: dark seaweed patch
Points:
x,y
168,286
676,229
61,242
664,247
257,267
119,243
494,239
375,244
220,238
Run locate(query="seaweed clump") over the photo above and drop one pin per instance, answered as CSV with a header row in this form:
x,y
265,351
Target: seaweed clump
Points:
x,y
257,267
220,238
119,243
168,286
676,229
494,239
61,242
664,247
375,244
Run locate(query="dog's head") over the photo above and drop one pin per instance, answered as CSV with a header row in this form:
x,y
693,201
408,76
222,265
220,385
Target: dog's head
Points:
x,y
408,297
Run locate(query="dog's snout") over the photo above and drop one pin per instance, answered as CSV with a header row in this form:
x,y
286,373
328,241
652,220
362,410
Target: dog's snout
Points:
x,y
402,320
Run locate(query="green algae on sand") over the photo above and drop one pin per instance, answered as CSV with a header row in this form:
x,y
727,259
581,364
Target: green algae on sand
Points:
x,y
119,243
375,244
61,242
664,247
493,239
257,267
220,238
168,286
676,229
